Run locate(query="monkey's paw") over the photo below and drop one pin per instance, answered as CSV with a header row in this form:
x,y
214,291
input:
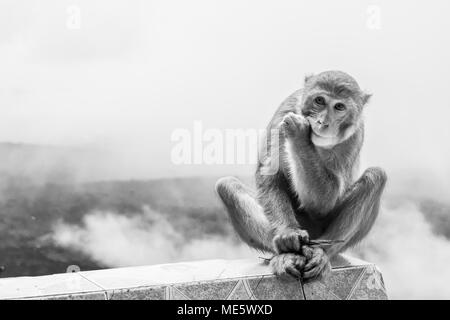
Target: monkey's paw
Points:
x,y
317,263
294,125
290,241
288,265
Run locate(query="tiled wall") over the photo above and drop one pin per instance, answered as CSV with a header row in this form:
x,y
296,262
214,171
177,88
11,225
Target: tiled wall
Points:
x,y
212,279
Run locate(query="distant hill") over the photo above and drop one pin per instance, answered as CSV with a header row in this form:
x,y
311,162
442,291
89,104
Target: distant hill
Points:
x,y
28,211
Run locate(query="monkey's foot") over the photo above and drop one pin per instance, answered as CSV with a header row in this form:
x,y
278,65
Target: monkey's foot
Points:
x,y
290,241
288,265
294,125
317,263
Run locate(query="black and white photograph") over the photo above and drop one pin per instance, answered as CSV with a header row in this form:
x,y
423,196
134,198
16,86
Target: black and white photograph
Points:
x,y
224,150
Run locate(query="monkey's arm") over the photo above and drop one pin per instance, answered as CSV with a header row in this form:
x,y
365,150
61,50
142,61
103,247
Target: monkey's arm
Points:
x,y
307,173
277,206
275,201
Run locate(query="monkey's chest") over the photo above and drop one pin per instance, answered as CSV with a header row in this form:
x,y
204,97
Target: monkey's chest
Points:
x,y
315,200
315,194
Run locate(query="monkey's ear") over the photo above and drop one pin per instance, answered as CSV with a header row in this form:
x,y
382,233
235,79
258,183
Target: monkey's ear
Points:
x,y
366,97
308,77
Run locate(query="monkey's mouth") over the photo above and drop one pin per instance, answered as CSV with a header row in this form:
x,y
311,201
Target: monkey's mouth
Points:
x,y
319,133
323,135
323,140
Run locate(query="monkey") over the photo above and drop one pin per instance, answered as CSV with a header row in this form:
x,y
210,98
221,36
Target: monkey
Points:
x,y
317,192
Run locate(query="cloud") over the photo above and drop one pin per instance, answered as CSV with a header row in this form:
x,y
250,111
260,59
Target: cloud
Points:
x,y
414,261
147,237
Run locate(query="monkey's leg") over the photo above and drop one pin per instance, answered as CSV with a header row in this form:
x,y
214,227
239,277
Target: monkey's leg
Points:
x,y
246,215
252,225
356,214
351,220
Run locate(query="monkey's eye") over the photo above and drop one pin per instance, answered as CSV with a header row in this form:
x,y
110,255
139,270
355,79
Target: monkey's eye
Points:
x,y
319,100
339,106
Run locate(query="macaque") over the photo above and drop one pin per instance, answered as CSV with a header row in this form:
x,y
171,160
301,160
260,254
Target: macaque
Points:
x,y
317,192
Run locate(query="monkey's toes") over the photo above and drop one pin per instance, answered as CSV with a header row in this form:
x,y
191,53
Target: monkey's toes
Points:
x,y
317,265
288,265
319,272
290,241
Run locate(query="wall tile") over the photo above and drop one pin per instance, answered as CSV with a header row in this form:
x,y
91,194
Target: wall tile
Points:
x,y
370,287
338,286
145,293
85,296
240,292
273,288
216,290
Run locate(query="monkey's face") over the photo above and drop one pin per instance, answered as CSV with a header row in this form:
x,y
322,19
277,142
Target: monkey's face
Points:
x,y
333,119
333,103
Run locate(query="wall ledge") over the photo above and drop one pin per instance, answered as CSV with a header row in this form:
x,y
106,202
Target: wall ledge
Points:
x,y
209,279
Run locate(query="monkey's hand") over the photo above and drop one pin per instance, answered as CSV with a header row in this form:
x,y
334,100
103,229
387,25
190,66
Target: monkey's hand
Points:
x,y
317,263
290,240
288,265
296,127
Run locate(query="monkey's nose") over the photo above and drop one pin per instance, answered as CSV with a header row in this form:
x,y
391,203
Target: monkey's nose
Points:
x,y
324,125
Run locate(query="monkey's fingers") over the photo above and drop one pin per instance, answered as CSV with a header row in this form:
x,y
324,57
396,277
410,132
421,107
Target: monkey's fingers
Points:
x,y
315,261
308,252
293,272
303,235
288,121
286,243
315,257
288,265
316,264
295,269
291,241
290,124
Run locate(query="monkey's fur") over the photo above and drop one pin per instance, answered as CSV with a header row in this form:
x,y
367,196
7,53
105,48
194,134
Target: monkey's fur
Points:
x,y
316,193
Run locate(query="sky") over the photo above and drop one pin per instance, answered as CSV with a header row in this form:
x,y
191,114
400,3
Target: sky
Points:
x,y
124,75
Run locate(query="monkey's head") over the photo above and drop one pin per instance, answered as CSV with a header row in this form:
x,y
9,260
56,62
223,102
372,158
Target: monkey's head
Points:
x,y
333,104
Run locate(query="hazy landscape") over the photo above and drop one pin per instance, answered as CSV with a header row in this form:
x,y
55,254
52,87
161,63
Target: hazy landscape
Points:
x,y
49,220
92,92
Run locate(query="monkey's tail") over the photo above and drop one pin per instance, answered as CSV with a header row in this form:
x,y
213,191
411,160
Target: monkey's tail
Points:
x,y
247,216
